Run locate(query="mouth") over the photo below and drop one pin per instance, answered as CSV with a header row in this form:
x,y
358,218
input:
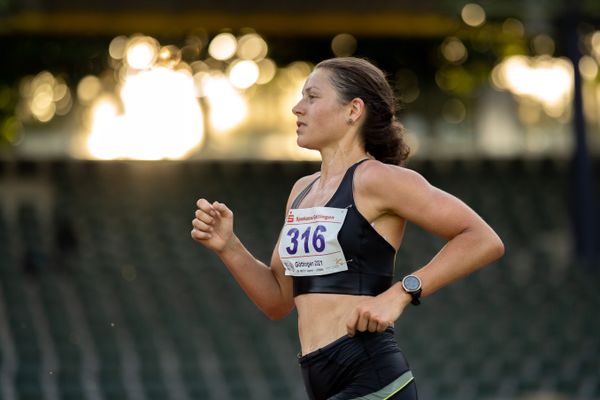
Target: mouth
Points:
x,y
300,124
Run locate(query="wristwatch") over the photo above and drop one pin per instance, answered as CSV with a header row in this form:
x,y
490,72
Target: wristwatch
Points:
x,y
412,285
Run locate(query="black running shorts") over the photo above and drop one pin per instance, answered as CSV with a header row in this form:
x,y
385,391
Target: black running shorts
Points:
x,y
368,366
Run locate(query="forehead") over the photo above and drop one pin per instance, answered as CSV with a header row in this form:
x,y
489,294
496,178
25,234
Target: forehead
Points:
x,y
318,79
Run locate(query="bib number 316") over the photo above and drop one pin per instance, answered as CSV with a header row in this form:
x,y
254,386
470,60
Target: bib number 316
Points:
x,y
316,239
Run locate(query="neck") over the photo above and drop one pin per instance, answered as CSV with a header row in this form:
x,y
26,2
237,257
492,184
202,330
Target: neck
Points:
x,y
336,161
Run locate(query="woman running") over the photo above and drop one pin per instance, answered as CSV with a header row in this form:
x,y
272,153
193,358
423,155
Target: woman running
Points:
x,y
334,260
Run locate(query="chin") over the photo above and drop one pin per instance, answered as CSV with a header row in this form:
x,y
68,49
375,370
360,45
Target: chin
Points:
x,y
305,144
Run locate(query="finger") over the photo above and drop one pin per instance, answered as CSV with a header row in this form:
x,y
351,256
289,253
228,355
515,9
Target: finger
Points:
x,y
204,217
351,324
201,226
223,210
382,326
372,325
199,235
205,206
363,321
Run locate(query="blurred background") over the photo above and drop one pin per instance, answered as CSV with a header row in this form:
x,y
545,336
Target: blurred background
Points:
x,y
115,116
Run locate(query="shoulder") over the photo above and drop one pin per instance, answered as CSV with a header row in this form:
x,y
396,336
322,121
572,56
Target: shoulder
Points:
x,y
374,176
392,189
304,182
300,185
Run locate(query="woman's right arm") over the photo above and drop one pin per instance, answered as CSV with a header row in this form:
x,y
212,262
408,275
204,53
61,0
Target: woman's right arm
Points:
x,y
267,286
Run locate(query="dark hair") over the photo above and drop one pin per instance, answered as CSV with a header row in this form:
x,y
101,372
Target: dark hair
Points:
x,y
382,133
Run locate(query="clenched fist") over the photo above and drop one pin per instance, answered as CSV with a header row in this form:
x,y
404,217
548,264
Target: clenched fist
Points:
x,y
213,225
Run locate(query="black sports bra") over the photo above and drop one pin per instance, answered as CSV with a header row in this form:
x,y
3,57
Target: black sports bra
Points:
x,y
369,256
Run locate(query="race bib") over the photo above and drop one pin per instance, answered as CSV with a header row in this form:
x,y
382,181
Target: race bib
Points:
x,y
309,244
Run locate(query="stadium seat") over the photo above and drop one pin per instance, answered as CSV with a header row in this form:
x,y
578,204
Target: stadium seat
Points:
x,y
137,308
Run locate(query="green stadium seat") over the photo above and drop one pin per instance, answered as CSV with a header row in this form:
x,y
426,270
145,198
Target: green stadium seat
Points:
x,y
125,254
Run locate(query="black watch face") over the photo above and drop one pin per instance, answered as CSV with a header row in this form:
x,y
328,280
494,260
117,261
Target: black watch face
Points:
x,y
412,283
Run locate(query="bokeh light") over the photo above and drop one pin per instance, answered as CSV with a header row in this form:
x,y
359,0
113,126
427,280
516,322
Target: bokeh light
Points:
x,y
161,118
243,73
298,71
543,45
544,79
343,45
116,120
88,89
62,98
252,47
588,68
118,47
454,111
407,85
228,75
595,41
142,52
43,96
266,71
169,56
454,50
12,130
513,27
473,15
103,141
191,52
227,107
223,46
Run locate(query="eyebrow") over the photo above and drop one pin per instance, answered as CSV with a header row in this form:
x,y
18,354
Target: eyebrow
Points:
x,y
310,88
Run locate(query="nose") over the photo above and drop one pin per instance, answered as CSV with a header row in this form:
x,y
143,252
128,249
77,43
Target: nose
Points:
x,y
297,109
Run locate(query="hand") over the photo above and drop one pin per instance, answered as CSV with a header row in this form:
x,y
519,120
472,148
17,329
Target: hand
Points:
x,y
213,225
378,313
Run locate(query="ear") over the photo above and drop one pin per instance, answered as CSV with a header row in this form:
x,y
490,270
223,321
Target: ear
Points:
x,y
356,110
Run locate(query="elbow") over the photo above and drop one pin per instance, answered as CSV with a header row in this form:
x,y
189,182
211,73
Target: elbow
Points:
x,y
276,316
496,247
277,312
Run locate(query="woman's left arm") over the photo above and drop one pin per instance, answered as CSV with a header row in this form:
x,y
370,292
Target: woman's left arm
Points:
x,y
471,242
